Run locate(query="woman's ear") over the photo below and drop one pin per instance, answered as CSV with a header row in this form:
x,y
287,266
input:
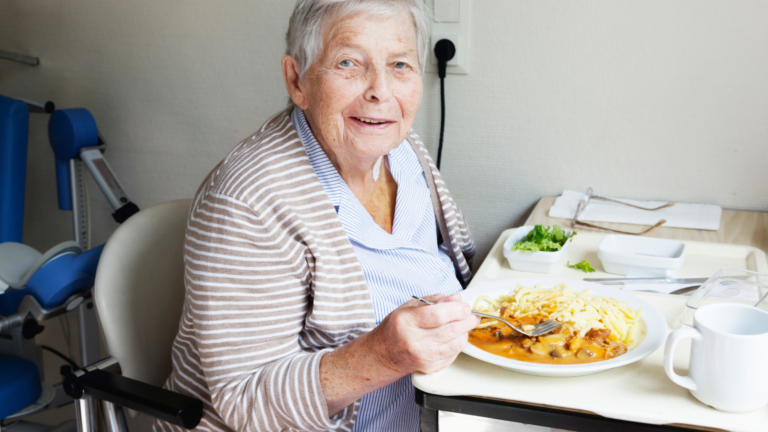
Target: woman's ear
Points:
x,y
292,76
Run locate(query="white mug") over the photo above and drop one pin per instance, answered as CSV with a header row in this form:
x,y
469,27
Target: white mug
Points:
x,y
729,353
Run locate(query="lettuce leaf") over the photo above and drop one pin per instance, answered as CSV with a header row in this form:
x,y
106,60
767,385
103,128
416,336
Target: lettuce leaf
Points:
x,y
585,265
543,239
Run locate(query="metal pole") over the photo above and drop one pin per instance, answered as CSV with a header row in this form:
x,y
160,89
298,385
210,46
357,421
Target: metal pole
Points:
x,y
10,322
114,417
86,414
21,58
89,332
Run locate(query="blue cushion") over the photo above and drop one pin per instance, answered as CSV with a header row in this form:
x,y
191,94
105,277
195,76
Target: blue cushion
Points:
x,y
64,276
14,128
19,385
55,281
10,301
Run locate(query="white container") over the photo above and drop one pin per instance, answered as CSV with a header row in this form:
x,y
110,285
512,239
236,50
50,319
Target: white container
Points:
x,y
535,262
640,256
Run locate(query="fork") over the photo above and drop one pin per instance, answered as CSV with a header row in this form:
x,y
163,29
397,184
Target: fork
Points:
x,y
537,330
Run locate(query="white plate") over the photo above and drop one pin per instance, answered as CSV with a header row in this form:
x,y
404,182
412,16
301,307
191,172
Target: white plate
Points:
x,y
655,328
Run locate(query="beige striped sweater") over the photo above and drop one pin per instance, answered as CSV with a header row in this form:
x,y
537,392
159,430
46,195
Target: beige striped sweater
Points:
x,y
272,284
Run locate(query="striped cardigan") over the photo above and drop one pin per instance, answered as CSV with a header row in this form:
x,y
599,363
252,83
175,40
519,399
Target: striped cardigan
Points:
x,y
272,284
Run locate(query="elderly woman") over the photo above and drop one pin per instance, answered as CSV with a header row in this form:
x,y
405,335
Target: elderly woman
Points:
x,y
306,244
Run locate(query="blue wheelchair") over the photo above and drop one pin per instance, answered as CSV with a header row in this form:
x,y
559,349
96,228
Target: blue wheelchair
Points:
x,y
35,286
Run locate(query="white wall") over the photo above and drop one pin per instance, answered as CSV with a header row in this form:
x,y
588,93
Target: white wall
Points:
x,y
642,99
657,99
651,99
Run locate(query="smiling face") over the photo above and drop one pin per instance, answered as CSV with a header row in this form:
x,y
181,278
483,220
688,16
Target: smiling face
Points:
x,y
362,93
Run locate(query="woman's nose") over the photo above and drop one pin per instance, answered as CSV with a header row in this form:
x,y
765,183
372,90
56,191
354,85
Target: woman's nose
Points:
x,y
379,85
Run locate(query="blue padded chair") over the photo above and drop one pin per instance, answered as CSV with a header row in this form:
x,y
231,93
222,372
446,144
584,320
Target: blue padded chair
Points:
x,y
19,384
31,283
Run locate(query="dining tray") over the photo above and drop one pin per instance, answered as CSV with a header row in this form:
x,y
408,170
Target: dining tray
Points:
x,y
639,392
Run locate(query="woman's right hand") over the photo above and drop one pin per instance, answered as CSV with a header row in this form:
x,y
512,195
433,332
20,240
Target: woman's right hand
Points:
x,y
417,337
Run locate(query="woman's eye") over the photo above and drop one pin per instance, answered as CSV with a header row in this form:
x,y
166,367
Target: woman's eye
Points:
x,y
400,65
345,63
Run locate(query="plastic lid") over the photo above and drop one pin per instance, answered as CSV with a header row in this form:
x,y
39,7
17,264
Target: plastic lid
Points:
x,y
728,285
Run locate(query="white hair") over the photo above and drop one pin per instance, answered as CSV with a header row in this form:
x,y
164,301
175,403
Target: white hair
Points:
x,y
307,24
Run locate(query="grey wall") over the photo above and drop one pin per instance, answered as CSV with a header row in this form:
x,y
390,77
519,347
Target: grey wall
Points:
x,y
641,99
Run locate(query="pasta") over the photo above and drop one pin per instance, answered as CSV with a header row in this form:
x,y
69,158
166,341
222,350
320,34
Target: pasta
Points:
x,y
580,309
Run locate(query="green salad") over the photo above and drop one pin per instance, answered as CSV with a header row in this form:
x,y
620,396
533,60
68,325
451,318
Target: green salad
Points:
x,y
544,239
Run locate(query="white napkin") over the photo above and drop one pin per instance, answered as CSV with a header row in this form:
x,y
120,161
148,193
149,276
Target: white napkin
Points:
x,y
696,216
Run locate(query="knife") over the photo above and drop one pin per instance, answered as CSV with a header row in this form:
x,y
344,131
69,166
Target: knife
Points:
x,y
653,280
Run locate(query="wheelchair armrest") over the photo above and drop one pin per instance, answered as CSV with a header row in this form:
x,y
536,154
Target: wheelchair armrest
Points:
x,y
172,407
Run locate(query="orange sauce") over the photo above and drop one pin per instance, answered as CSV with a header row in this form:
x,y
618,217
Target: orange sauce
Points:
x,y
562,346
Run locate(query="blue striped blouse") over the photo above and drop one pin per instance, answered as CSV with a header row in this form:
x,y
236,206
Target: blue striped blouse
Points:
x,y
396,266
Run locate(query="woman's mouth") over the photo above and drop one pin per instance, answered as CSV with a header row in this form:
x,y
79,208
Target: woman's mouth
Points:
x,y
371,121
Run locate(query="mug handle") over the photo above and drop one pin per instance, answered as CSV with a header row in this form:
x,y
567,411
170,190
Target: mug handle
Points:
x,y
669,355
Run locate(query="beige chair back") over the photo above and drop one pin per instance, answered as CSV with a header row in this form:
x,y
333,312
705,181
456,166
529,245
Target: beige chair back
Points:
x,y
139,290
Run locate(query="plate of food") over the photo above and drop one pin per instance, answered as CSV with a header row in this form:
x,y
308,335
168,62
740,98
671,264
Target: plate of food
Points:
x,y
603,327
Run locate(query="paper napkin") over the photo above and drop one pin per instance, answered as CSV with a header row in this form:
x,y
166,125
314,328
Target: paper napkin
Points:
x,y
695,216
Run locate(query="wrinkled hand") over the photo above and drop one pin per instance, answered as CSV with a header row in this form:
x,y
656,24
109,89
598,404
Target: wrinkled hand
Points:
x,y
417,337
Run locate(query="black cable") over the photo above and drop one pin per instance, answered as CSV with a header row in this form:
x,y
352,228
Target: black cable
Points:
x,y
63,357
444,52
442,121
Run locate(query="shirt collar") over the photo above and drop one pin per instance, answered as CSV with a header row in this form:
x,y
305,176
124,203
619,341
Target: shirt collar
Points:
x,y
329,178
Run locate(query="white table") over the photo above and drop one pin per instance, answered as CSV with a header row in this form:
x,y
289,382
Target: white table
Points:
x,y
637,397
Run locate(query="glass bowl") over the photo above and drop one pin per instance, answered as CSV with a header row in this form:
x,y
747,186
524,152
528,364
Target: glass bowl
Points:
x,y
728,285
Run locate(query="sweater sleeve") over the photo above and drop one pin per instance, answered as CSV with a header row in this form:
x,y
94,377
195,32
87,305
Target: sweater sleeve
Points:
x,y
461,246
249,291
464,237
